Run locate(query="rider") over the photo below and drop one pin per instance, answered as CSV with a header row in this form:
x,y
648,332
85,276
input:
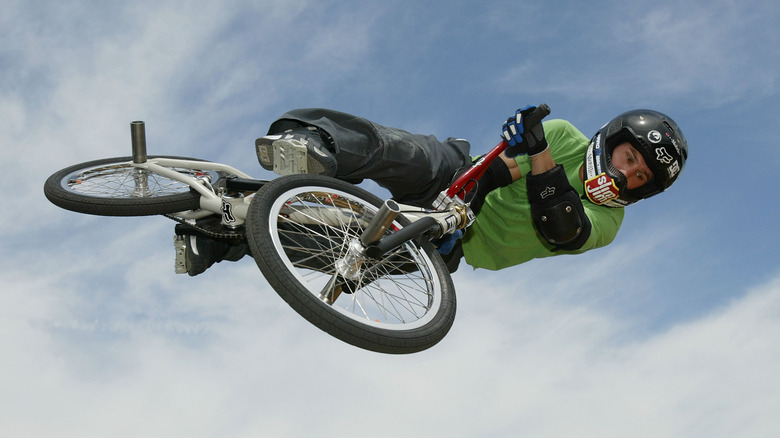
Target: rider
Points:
x,y
553,191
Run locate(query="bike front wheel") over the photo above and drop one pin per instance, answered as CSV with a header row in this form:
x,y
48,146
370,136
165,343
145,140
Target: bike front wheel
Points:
x,y
114,187
304,232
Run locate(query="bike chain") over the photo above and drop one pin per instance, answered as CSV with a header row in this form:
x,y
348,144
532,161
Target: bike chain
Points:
x,y
208,229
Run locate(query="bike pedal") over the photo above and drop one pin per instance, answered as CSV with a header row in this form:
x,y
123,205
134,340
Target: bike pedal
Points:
x,y
180,246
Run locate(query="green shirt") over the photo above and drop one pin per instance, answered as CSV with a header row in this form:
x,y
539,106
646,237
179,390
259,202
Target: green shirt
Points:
x,y
504,234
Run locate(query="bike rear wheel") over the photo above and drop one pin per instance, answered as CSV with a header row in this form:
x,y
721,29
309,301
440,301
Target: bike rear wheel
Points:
x,y
303,232
114,187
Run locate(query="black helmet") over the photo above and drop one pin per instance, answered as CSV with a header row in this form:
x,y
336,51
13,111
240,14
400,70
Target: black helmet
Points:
x,y
655,135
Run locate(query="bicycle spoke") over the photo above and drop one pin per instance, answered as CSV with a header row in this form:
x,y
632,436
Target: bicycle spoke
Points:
x,y
126,181
315,229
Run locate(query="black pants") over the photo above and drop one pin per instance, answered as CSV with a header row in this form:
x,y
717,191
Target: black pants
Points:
x,y
414,168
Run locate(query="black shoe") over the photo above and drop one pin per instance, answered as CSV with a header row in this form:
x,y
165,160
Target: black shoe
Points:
x,y
202,252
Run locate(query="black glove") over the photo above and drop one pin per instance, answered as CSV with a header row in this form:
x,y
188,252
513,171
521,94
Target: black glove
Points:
x,y
524,132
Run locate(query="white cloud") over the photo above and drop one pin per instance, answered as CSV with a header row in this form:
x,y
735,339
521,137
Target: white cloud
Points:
x,y
189,356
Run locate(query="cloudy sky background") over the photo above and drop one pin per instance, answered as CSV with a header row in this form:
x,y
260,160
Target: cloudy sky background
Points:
x,y
671,331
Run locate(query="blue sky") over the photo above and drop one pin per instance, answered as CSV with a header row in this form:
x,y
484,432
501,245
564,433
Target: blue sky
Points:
x,y
670,331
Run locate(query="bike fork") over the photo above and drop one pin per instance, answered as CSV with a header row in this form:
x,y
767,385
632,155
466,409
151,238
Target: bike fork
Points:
x,y
349,266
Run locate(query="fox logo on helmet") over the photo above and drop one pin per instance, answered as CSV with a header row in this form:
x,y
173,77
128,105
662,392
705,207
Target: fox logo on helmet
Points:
x,y
662,155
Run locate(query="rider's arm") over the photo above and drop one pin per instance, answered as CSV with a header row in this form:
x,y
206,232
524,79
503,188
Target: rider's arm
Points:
x,y
556,208
542,163
539,164
559,217
511,164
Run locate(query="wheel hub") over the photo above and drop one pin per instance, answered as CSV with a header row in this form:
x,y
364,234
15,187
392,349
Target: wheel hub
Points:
x,y
350,265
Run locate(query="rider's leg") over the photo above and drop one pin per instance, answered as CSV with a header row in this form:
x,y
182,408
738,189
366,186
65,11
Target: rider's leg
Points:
x,y
414,168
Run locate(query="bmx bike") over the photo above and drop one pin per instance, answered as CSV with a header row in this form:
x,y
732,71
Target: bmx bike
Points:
x,y
358,267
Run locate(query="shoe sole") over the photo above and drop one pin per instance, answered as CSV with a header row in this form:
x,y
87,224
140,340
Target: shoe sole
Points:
x,y
288,157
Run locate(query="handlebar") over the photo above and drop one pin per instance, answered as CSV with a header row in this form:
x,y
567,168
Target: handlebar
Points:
x,y
475,172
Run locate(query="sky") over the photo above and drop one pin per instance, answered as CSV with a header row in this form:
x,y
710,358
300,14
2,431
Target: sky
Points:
x,y
671,331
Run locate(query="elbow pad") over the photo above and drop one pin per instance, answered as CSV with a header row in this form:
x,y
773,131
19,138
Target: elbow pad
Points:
x,y
557,210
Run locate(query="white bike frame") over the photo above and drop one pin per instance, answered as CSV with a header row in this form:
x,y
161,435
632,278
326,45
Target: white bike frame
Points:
x,y
232,209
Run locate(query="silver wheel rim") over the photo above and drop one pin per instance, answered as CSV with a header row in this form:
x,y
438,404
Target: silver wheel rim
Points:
x,y
122,180
386,298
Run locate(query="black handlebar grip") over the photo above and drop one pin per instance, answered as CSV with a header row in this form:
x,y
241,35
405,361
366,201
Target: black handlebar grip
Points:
x,y
536,116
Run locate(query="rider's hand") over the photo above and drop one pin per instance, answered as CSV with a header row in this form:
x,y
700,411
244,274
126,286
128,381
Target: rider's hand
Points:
x,y
524,134
446,244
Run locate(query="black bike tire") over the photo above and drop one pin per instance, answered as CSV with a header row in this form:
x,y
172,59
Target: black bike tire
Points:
x,y
59,195
276,272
